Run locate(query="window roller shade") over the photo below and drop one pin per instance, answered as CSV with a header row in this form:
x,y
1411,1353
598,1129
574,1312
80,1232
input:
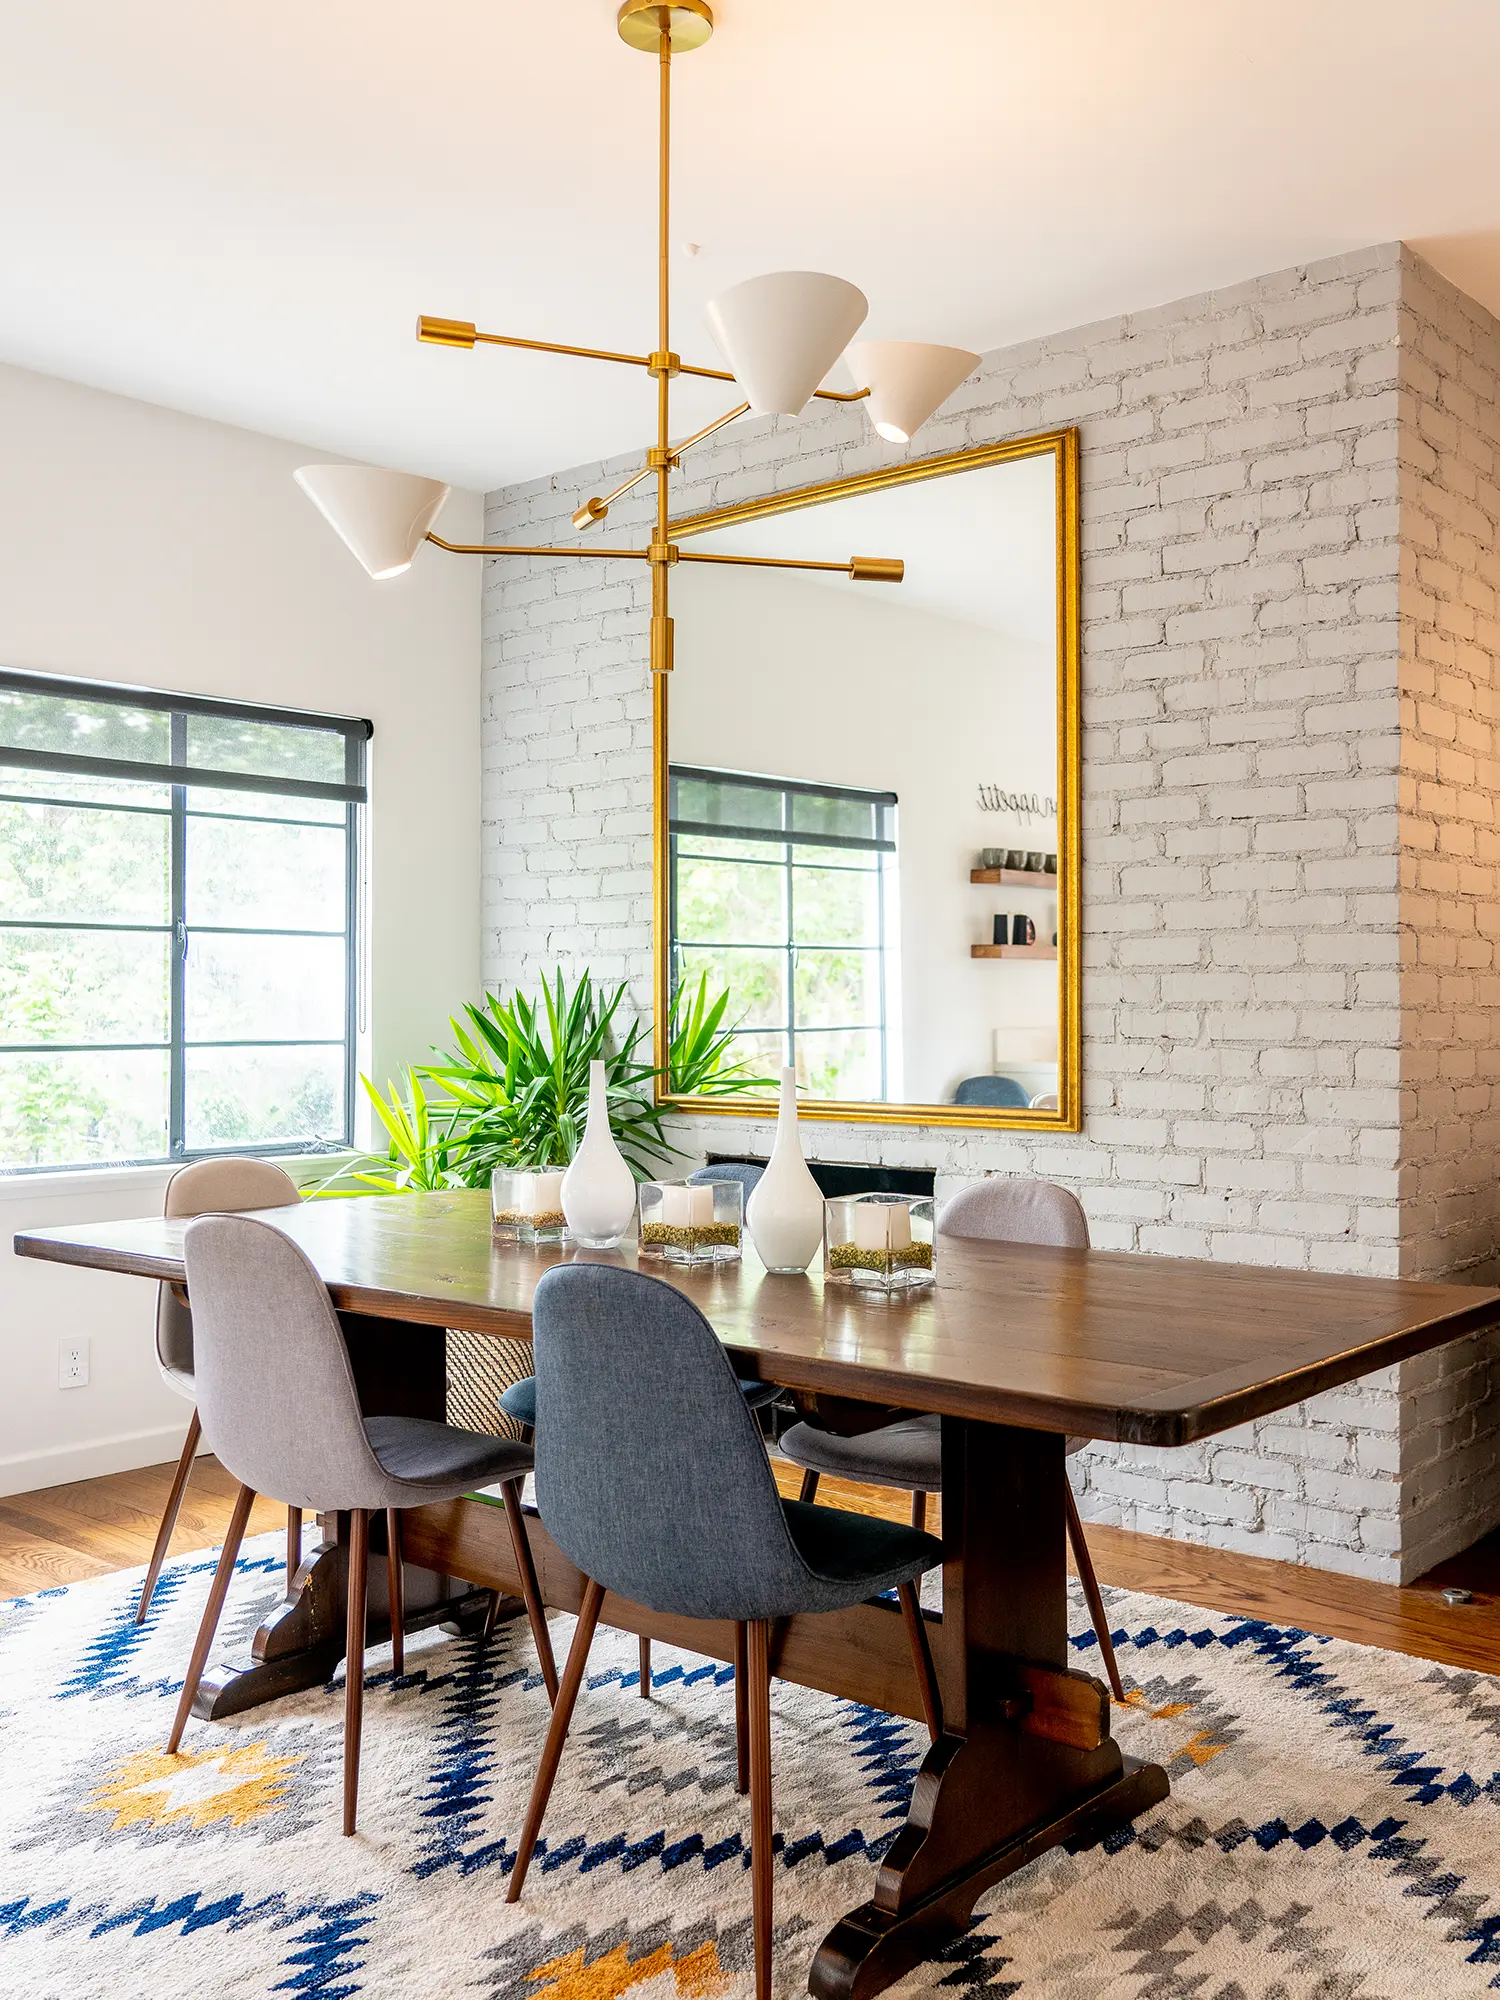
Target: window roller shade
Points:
x,y
92,729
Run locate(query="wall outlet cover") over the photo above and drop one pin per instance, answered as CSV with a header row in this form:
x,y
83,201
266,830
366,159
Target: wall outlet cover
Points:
x,y
73,1364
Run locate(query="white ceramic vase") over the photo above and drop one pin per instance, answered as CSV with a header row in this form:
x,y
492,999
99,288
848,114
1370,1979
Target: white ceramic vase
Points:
x,y
785,1216
598,1190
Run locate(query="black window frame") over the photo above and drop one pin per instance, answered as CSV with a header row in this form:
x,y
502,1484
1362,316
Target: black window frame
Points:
x,y
182,778
787,837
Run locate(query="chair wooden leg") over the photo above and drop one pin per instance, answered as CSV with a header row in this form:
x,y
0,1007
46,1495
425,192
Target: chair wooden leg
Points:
x,y
919,1510
293,1546
809,1490
354,1662
491,1618
643,1654
741,1710
921,1658
761,1879
1091,1595
169,1515
520,1543
395,1571
244,1500
557,1734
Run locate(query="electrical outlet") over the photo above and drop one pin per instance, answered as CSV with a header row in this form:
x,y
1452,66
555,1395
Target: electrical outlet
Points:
x,y
72,1364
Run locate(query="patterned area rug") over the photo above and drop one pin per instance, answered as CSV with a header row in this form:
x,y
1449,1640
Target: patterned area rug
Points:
x,y
1333,1831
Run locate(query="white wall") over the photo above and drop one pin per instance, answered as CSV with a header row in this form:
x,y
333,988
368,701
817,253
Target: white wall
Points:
x,y
794,679
143,546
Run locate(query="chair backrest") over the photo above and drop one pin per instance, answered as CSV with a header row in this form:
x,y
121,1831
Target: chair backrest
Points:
x,y
275,1390
746,1172
997,1090
210,1187
651,1474
1008,1209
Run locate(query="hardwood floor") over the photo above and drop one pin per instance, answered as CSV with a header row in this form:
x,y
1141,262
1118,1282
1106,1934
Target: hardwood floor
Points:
x,y
68,1532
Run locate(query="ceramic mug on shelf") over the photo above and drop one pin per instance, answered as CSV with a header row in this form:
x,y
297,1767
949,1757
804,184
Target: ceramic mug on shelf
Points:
x,y
1015,858
1049,864
1034,862
992,857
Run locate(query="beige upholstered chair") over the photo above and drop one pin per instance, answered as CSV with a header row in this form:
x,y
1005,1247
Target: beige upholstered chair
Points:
x,y
280,1409
221,1187
1003,1208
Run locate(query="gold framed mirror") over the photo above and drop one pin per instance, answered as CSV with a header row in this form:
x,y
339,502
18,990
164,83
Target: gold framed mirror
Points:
x,y
854,783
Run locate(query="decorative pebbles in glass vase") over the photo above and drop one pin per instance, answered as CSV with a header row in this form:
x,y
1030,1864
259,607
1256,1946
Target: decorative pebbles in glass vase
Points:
x,y
527,1207
691,1222
881,1243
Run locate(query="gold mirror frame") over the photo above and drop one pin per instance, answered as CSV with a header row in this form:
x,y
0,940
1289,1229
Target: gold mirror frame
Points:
x,y
1063,448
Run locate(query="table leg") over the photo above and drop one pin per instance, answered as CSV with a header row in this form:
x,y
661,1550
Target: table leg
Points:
x,y
400,1368
992,1793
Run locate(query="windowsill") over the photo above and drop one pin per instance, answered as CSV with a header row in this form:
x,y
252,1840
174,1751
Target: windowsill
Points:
x,y
305,1169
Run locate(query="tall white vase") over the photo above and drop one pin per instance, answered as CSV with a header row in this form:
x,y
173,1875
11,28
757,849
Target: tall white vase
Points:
x,y
598,1190
785,1216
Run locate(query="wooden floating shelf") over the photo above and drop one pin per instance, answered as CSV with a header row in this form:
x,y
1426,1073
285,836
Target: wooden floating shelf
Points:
x,y
1015,878
1012,951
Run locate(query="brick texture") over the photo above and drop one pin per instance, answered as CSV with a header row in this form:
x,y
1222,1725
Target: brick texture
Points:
x,y
1249,631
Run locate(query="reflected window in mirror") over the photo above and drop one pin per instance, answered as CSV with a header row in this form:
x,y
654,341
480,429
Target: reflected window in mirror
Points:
x,y
785,893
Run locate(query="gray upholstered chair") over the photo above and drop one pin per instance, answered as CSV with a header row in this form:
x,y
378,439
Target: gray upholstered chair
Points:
x,y
908,1454
219,1187
747,1172
278,1403
643,1428
1003,1092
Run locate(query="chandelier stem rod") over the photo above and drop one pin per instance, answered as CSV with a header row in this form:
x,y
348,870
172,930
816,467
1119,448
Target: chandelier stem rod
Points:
x,y
661,623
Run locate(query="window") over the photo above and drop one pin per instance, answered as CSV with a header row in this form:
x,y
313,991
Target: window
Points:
x,y
785,893
179,886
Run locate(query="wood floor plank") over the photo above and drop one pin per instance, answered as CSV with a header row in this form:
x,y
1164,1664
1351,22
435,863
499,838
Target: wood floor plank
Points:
x,y
91,1527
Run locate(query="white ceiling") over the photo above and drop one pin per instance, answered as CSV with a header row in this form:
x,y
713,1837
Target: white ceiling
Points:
x,y
240,211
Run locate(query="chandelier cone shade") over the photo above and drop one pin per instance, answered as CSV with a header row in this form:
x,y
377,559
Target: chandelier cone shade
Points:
x,y
781,334
381,517
908,379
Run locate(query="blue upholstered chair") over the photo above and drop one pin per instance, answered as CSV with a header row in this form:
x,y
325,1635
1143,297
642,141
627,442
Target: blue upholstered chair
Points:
x,y
908,1454
643,1429
1003,1092
279,1407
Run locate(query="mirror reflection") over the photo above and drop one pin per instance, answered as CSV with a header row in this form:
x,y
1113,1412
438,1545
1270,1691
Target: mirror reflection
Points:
x,y
863,833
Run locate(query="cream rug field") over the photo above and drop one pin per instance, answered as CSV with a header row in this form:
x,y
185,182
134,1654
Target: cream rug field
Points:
x,y
1333,1831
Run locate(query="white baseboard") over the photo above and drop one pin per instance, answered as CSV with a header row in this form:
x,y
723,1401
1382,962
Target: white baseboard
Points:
x,y
29,1471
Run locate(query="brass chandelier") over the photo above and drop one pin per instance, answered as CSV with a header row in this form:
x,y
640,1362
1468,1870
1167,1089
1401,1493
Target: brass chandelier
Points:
x,y
781,333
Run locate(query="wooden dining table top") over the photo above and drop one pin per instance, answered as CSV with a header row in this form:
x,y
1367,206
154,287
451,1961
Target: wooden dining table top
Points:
x,y
1098,1343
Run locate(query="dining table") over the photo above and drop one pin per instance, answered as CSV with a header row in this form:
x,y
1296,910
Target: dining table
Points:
x,y
1017,1348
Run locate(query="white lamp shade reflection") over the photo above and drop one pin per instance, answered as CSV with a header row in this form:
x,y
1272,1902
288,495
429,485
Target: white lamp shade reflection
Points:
x,y
908,380
381,517
781,334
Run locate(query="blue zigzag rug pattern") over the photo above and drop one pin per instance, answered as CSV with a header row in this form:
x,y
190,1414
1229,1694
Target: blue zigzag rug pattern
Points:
x,y
1333,1831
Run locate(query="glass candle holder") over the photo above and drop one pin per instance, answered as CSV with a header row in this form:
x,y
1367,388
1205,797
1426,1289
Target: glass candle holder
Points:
x,y
691,1222
527,1207
882,1243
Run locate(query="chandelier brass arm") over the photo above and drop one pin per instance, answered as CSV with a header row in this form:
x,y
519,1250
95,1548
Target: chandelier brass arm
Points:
x,y
463,333
863,569
596,509
509,549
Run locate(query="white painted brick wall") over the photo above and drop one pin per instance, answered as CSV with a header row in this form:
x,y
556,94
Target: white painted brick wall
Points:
x,y
1243,1000
1450,889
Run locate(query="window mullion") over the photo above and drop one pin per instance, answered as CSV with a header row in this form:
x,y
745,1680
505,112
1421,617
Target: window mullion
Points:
x,y
177,1002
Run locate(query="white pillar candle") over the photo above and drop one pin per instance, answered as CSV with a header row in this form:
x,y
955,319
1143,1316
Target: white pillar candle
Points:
x,y
882,1225
687,1207
539,1194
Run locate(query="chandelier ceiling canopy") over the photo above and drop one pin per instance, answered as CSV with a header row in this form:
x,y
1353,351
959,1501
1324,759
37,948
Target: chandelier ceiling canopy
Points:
x,y
780,333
